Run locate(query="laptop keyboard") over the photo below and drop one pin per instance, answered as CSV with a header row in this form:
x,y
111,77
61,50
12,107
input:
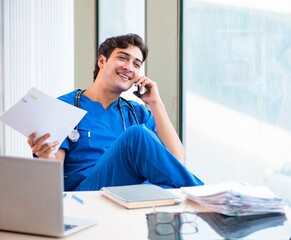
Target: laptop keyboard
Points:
x,y
69,226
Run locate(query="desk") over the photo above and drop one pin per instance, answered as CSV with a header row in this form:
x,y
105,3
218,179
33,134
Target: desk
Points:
x,y
116,222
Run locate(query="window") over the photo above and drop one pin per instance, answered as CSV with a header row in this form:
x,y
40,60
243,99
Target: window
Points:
x,y
118,17
236,88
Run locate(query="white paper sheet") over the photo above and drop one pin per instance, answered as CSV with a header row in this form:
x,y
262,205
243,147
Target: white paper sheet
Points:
x,y
230,186
41,113
235,198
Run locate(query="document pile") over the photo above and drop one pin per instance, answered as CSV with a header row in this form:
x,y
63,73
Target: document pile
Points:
x,y
236,199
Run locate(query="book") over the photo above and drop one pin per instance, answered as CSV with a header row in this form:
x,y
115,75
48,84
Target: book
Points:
x,y
140,196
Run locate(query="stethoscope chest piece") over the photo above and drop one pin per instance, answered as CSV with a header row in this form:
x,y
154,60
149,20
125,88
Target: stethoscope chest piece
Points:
x,y
74,135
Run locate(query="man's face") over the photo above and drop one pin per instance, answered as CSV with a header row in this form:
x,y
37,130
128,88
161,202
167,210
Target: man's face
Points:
x,y
122,68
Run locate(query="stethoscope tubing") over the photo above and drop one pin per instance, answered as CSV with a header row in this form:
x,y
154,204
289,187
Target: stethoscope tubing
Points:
x,y
74,135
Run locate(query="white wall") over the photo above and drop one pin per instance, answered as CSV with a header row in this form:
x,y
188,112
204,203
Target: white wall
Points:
x,y
1,76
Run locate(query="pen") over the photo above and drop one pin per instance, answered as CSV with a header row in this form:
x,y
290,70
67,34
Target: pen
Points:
x,y
77,199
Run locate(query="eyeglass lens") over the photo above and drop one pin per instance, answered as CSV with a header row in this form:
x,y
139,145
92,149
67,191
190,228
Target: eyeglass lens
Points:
x,y
170,223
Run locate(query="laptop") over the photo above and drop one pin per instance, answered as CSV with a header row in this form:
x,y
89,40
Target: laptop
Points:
x,y
31,198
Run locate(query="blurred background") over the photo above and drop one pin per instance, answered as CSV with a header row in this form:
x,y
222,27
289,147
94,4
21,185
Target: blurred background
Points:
x,y
223,68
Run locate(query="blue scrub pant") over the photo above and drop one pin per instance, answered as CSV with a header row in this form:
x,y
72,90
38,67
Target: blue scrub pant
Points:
x,y
136,156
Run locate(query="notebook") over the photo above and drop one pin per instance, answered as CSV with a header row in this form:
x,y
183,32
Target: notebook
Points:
x,y
31,198
140,196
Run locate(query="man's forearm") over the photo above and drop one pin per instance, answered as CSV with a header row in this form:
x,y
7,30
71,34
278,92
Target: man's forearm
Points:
x,y
166,131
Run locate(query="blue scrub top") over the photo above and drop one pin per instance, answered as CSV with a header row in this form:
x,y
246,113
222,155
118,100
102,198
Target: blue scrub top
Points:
x,y
98,130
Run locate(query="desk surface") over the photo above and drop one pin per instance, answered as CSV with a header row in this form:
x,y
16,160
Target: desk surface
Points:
x,y
114,221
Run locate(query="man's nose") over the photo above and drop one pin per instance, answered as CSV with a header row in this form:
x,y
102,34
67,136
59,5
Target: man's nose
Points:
x,y
128,66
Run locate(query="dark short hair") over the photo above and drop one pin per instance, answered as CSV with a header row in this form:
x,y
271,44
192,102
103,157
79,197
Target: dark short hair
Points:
x,y
122,41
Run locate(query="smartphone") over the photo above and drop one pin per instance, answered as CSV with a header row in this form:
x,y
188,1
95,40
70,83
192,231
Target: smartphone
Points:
x,y
138,91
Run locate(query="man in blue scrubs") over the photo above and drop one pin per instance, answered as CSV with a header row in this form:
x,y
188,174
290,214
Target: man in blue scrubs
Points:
x,y
120,143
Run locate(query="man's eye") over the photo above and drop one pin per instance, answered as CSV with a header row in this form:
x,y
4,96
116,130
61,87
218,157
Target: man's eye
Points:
x,y
137,65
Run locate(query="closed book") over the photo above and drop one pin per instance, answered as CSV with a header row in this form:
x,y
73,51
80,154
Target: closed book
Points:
x,y
140,196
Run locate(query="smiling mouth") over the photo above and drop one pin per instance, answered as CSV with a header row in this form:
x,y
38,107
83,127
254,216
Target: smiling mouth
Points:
x,y
124,76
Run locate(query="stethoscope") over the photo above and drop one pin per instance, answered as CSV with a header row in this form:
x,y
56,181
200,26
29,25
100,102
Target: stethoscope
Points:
x,y
75,135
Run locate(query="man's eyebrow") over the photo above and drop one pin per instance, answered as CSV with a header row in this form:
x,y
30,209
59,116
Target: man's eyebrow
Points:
x,y
127,54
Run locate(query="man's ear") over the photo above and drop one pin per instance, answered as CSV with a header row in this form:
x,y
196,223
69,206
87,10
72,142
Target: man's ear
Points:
x,y
101,61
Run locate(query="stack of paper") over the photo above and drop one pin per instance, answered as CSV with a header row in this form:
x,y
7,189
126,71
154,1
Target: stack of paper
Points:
x,y
236,199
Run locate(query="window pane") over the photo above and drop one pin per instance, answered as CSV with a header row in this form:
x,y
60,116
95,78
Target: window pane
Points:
x,y
118,17
236,88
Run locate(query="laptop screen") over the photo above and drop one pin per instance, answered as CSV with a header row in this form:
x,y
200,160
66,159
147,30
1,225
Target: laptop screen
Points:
x,y
31,198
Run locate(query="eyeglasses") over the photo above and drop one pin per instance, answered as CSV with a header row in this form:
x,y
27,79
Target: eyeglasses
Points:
x,y
168,223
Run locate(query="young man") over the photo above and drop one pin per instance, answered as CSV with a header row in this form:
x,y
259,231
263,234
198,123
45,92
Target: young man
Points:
x,y
120,142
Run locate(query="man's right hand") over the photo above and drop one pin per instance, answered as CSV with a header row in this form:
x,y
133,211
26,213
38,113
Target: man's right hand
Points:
x,y
41,149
